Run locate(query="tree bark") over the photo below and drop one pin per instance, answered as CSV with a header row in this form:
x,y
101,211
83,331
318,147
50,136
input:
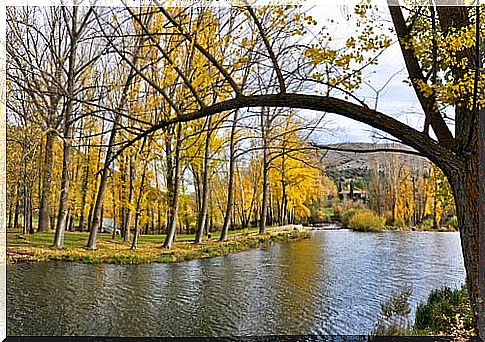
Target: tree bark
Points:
x,y
174,194
464,183
129,211
230,183
481,237
138,208
66,160
264,203
44,210
202,221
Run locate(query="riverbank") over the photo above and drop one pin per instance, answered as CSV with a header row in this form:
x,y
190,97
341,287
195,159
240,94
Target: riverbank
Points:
x,y
339,225
367,220
447,312
25,248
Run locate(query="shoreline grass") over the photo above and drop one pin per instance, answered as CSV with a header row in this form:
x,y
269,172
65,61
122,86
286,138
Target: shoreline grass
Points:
x,y
36,247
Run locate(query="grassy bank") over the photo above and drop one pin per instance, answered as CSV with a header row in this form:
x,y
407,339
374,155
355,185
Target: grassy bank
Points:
x,y
36,247
446,312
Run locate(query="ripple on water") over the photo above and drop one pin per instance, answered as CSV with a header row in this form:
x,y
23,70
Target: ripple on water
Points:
x,y
331,284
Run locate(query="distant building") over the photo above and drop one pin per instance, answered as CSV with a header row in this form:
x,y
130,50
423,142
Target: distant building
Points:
x,y
348,190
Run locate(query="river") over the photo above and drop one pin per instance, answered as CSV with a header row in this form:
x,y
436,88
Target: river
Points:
x,y
332,284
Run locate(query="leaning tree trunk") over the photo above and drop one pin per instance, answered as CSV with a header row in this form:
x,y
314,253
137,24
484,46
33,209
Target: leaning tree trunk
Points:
x,y
98,204
110,154
465,180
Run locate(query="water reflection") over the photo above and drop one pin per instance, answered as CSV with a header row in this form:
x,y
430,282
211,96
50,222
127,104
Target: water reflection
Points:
x,y
332,284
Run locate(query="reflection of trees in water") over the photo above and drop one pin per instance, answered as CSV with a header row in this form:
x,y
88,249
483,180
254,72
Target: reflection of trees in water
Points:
x,y
300,265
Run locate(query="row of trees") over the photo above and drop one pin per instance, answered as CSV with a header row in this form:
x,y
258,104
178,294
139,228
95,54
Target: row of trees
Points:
x,y
410,192
229,170
136,194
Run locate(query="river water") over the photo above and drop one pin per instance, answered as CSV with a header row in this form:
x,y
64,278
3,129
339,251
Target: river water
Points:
x,y
332,284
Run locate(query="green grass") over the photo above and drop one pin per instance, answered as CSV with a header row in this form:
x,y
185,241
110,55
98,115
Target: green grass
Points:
x,y
446,312
36,247
79,239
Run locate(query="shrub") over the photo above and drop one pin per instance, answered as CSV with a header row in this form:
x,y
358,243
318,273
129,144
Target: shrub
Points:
x,y
345,217
427,224
399,223
394,319
366,220
446,312
338,210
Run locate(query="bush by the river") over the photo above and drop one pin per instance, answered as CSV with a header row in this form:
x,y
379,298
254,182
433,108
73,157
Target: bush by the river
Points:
x,y
345,217
447,312
366,220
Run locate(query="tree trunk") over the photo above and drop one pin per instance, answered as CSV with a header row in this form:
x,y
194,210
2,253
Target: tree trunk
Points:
x,y
10,217
71,223
122,196
66,160
64,198
481,237
17,208
202,221
44,210
465,190
90,216
174,193
96,219
264,205
129,212
230,183
113,189
110,153
84,190
138,208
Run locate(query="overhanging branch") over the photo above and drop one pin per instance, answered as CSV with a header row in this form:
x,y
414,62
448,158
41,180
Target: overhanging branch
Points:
x,y
417,140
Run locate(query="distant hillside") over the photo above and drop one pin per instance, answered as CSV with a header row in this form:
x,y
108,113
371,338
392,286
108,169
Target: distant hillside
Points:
x,y
340,165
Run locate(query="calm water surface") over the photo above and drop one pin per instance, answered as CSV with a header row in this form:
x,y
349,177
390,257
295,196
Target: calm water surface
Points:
x,y
331,284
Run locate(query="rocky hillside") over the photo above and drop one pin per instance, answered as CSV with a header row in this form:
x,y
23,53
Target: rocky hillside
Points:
x,y
340,164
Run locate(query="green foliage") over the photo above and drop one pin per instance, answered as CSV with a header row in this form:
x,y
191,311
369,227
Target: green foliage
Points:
x,y
366,220
447,312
